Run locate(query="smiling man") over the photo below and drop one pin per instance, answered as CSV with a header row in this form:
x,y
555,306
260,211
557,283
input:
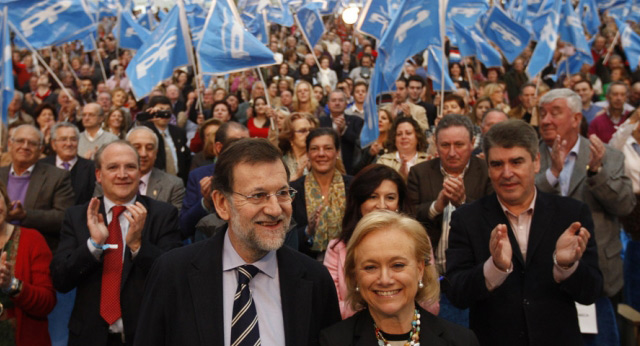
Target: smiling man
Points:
x,y
190,293
521,257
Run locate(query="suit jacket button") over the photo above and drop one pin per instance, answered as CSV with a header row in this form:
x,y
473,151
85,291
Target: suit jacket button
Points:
x,y
525,302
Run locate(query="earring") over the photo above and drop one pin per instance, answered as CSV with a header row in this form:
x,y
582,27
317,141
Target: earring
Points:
x,y
420,284
357,289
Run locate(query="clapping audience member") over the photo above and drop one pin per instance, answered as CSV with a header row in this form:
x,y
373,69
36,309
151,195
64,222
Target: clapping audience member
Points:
x,y
407,146
293,143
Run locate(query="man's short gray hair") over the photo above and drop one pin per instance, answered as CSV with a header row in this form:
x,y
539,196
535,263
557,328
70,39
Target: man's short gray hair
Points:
x,y
40,135
145,129
55,128
573,99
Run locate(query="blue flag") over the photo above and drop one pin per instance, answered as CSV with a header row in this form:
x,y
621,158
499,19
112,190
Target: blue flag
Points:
x,y
434,69
571,30
588,12
374,18
407,36
159,56
162,14
257,26
88,43
6,74
196,25
130,35
630,43
546,44
280,15
229,47
634,12
50,22
465,12
311,25
370,130
471,42
511,37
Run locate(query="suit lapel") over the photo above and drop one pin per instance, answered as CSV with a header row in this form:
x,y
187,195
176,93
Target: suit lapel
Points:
x,y
495,216
38,178
539,225
205,283
128,261
579,168
295,294
155,185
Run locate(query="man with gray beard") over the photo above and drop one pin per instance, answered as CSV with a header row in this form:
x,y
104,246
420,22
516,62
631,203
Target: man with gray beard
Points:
x,y
200,295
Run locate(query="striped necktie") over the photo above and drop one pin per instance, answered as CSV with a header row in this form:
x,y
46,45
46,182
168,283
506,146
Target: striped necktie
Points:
x,y
244,323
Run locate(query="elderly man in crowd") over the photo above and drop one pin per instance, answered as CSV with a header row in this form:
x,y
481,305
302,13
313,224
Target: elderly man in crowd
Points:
x,y
93,135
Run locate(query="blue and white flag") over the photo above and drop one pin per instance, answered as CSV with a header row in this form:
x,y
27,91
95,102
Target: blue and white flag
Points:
x,y
511,37
129,33
88,42
571,29
311,25
630,43
577,60
229,46
49,22
634,12
546,44
588,12
279,14
370,130
471,42
434,69
6,73
407,36
162,14
465,12
604,5
196,25
374,18
534,6
257,26
159,56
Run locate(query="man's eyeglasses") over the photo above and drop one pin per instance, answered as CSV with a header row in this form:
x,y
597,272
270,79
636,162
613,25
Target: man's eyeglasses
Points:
x,y
283,196
22,141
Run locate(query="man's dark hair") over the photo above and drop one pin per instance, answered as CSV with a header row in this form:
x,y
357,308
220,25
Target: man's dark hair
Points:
x,y
492,110
222,135
403,80
416,78
246,150
159,100
455,120
359,83
509,134
455,97
526,85
324,131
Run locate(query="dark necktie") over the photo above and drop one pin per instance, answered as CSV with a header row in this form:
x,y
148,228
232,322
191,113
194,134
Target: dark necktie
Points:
x,y
66,165
244,323
112,270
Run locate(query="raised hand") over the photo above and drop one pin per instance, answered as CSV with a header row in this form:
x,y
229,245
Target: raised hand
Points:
x,y
571,245
559,153
500,247
95,222
136,225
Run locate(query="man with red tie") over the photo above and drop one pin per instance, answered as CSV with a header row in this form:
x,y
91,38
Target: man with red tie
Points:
x,y
107,248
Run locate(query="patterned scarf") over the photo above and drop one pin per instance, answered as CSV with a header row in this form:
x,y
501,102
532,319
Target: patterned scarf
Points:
x,y
330,219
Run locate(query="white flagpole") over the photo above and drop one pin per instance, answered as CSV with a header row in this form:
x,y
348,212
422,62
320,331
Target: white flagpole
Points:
x,y
17,32
443,6
189,46
99,58
306,40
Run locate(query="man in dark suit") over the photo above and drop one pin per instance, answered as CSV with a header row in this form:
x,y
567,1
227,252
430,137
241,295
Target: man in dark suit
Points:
x,y
521,258
189,297
40,193
348,127
109,265
174,156
64,141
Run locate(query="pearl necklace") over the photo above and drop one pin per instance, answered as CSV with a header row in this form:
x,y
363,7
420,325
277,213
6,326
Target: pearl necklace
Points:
x,y
414,336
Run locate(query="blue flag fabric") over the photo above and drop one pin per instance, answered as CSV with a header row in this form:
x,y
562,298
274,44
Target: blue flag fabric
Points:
x,y
571,30
131,34
630,43
159,56
257,26
434,69
471,42
196,25
6,74
406,36
511,37
588,12
162,14
311,24
370,130
229,47
546,44
374,18
49,22
280,15
465,12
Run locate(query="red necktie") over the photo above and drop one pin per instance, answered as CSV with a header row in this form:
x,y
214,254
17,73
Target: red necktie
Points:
x,y
112,270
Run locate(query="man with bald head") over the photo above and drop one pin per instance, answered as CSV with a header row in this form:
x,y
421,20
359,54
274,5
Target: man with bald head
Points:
x,y
93,135
39,192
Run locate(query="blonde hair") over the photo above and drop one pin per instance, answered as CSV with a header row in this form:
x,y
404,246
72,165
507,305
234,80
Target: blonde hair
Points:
x,y
313,103
389,220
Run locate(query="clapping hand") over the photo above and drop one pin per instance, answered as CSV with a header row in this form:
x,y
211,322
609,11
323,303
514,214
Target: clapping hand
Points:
x,y
571,245
500,247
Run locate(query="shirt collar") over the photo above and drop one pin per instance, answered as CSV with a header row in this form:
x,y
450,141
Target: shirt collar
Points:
x,y
529,209
145,178
71,162
231,259
445,174
98,134
108,204
25,173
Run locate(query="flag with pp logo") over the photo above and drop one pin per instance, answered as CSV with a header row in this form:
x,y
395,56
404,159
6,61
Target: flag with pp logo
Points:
x,y
49,22
229,46
196,25
374,18
571,30
546,43
630,43
471,42
512,38
310,23
588,12
434,69
279,14
159,56
6,73
466,12
129,33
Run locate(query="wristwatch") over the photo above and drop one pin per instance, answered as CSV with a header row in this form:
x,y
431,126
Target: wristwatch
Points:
x,y
14,287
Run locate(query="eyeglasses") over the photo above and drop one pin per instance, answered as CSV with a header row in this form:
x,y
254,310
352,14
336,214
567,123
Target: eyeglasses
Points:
x,y
302,131
66,139
22,141
283,196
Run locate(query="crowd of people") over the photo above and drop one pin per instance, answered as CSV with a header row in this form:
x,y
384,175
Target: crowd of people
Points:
x,y
246,211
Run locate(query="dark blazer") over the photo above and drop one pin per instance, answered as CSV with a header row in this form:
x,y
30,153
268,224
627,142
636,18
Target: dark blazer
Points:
x,y
358,330
83,178
183,297
349,141
74,266
300,213
179,137
192,210
425,183
49,194
529,308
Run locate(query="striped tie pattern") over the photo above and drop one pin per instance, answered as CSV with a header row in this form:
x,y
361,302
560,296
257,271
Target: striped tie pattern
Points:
x,y
244,324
